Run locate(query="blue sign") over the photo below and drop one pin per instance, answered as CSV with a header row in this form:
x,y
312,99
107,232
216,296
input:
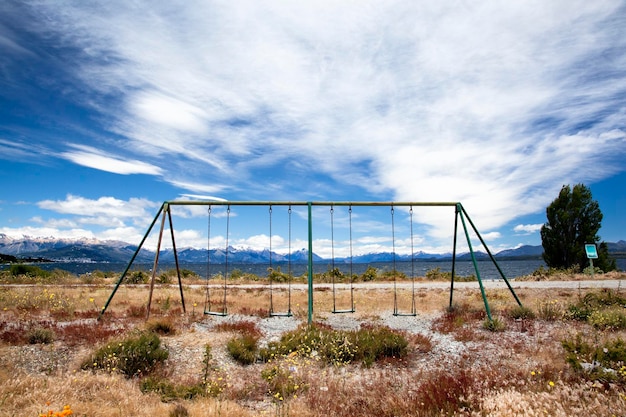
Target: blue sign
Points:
x,y
592,252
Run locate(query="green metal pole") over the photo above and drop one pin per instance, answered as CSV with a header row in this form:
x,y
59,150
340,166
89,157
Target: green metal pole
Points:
x,y
480,282
180,282
493,259
310,275
456,228
119,282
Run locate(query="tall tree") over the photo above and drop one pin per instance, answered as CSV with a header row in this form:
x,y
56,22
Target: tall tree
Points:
x,y
574,220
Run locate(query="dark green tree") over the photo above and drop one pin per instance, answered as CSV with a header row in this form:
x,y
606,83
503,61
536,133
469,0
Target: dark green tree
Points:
x,y
574,220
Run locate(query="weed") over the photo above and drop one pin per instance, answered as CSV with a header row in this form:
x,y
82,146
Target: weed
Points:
x,y
243,349
162,326
340,347
39,335
521,313
550,310
494,325
137,277
607,320
283,380
169,391
134,356
447,393
597,361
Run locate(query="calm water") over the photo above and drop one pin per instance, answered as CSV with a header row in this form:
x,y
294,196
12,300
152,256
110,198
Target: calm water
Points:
x,y
487,270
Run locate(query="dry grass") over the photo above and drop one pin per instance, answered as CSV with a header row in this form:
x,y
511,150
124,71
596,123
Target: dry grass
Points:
x,y
454,366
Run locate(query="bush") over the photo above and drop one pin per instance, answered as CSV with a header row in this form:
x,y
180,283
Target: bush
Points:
x,y
521,313
595,304
436,274
39,335
607,320
370,274
161,326
494,325
243,349
550,310
165,278
169,391
137,277
602,361
28,270
134,356
283,381
340,347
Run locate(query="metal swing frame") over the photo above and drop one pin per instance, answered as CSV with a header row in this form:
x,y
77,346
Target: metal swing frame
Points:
x,y
165,212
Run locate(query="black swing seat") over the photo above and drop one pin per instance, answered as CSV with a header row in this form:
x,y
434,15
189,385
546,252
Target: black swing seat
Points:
x,y
343,311
283,314
397,314
216,313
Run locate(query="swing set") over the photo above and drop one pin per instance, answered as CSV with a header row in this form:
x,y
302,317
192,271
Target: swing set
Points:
x,y
219,308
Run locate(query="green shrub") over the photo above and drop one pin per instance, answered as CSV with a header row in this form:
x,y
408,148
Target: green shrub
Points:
x,y
282,381
276,275
243,349
607,320
137,355
601,361
28,270
436,274
40,335
137,277
393,274
165,278
578,312
370,274
168,391
521,313
340,347
494,325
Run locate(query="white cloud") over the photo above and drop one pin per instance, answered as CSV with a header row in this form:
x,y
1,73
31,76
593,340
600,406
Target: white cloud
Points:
x,y
104,206
421,101
93,158
527,228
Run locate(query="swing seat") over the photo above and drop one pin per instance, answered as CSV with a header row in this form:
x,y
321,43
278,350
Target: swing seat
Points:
x,y
397,314
285,314
344,311
216,313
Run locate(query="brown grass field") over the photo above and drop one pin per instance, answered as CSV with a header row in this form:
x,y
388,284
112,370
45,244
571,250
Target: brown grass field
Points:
x,y
453,366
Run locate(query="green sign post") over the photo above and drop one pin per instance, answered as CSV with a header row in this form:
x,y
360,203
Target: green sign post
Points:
x,y
592,253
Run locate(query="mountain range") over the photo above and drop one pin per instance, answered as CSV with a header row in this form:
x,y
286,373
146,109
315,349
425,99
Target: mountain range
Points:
x,y
93,250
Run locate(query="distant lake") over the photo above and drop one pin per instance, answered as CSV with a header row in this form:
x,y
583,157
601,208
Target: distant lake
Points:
x,y
511,268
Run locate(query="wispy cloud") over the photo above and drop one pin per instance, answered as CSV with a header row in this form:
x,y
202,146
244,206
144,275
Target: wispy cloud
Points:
x,y
97,159
495,104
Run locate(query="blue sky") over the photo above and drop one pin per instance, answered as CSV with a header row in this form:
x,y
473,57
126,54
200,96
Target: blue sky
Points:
x,y
109,108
